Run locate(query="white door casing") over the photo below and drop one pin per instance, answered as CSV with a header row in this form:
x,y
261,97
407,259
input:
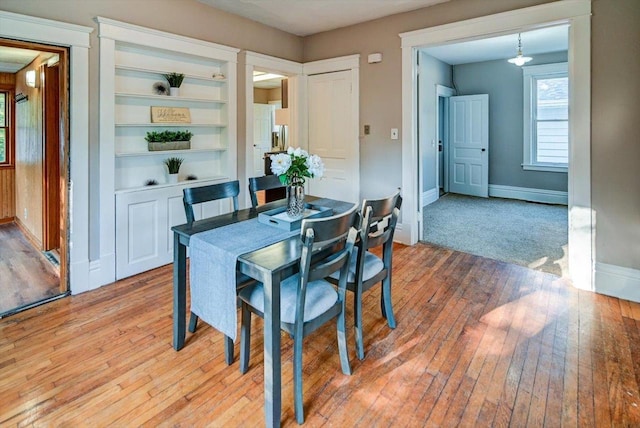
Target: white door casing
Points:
x,y
469,145
330,114
261,136
293,70
576,13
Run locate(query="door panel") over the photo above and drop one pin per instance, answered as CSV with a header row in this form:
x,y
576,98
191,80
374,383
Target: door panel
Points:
x,y
331,120
261,136
469,145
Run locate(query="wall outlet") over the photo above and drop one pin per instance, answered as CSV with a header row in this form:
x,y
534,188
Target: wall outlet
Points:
x,y
367,129
26,214
394,133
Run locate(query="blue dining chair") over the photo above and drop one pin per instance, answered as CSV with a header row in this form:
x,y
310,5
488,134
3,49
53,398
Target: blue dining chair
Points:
x,y
198,195
266,182
379,219
307,299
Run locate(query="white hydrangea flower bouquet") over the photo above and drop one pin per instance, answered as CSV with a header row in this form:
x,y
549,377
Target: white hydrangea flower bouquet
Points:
x,y
293,167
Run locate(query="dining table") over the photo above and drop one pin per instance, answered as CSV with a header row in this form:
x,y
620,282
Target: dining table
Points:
x,y
269,265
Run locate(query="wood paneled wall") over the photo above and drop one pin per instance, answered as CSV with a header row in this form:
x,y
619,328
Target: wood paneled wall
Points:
x,y
7,194
7,174
29,154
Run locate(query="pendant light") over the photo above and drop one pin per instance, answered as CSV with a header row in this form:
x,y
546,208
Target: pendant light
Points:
x,y
520,60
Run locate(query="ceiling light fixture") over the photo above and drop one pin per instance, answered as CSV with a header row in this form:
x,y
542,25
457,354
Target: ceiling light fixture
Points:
x,y
266,76
519,59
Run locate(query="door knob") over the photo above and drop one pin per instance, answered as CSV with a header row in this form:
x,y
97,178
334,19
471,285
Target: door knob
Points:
x,y
483,149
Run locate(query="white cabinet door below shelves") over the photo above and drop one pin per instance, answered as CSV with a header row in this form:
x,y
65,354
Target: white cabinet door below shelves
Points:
x,y
144,219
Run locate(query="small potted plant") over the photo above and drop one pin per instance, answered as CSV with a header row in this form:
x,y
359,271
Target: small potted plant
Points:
x,y
175,81
168,140
173,165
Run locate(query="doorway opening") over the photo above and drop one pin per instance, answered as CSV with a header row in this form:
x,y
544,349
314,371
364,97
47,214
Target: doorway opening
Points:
x,y
450,127
34,87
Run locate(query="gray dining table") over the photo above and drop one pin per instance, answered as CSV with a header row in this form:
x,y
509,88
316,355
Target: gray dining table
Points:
x,y
269,265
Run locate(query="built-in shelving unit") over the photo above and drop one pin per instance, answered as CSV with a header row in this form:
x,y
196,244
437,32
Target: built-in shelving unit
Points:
x,y
133,60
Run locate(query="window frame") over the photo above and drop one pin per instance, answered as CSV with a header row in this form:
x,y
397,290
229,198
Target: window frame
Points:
x,y
9,141
530,75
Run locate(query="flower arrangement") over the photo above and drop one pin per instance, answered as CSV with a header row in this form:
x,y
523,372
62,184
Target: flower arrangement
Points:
x,y
295,166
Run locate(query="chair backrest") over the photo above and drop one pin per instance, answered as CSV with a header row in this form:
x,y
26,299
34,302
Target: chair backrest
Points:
x,y
214,192
266,182
379,219
326,235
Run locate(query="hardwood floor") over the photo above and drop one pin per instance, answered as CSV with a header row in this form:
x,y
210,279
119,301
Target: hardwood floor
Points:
x,y
479,343
26,276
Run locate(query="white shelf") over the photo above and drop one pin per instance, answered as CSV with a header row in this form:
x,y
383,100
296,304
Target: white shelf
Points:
x,y
132,60
169,98
165,152
166,185
187,76
179,125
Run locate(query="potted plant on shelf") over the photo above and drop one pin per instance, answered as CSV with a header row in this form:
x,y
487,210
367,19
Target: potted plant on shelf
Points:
x,y
175,80
173,165
168,140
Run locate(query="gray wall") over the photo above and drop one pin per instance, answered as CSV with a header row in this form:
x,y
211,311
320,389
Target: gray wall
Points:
x,y
432,72
615,25
184,17
503,82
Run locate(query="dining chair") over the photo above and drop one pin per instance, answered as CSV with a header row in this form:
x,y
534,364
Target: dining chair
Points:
x,y
214,192
307,299
266,182
379,218
198,195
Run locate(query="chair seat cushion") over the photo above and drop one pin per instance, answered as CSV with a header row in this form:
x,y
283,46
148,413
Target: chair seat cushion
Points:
x,y
321,296
372,266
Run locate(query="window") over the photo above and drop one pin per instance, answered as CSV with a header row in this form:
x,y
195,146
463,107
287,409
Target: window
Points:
x,y
546,117
4,129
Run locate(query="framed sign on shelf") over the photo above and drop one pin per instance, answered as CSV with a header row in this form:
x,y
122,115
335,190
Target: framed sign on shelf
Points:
x,y
170,115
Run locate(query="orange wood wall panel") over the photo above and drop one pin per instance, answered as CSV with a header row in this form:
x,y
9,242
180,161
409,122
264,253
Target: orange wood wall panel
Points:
x,y
7,194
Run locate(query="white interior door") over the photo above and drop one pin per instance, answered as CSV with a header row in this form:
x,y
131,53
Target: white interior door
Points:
x,y
331,121
469,145
261,136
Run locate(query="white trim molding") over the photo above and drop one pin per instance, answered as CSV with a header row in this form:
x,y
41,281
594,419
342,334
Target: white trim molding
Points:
x,y
530,76
331,65
429,197
528,194
576,13
76,37
618,281
293,71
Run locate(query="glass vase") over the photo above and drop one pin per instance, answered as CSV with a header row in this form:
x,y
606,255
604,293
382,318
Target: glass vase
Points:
x,y
295,199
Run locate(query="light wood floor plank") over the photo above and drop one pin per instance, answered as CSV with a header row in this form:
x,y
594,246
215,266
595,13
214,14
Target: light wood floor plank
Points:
x,y
479,343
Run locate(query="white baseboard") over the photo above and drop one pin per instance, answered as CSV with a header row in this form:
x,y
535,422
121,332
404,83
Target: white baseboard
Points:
x,y
429,197
617,281
402,234
100,274
529,194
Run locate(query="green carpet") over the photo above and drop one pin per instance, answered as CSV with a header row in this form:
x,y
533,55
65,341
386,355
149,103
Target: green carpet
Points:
x,y
524,233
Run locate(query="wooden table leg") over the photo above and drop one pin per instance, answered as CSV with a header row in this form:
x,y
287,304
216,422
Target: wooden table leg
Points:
x,y
179,292
272,358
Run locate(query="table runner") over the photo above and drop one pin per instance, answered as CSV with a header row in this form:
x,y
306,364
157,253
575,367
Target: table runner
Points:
x,y
214,255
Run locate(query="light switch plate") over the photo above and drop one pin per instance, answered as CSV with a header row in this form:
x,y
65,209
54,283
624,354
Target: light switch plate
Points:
x,y
367,130
394,133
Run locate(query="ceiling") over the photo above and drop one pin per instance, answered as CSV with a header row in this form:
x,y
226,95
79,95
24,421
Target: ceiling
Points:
x,y
552,39
305,17
15,59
